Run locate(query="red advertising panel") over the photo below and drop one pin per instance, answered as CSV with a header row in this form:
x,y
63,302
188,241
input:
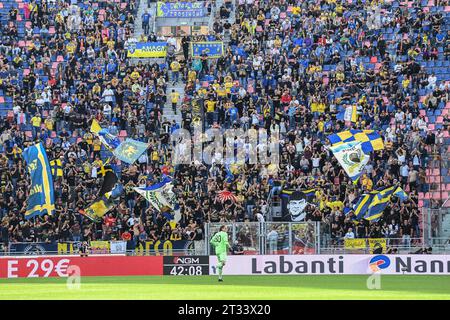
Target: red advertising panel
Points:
x,y
53,266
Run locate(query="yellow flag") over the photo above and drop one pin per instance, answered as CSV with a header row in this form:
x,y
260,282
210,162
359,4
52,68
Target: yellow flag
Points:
x,y
95,127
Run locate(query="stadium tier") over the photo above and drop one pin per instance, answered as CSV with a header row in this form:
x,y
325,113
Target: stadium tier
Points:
x,y
116,118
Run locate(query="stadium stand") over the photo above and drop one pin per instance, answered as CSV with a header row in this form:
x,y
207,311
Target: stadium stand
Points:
x,y
290,65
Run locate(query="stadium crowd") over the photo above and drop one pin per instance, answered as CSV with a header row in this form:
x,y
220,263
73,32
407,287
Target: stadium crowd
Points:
x,y
275,74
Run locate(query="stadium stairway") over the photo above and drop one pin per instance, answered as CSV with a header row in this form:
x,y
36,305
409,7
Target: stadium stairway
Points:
x,y
168,112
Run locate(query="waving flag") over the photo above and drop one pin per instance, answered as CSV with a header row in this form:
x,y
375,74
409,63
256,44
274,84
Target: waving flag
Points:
x,y
362,205
371,206
351,157
109,179
161,197
229,177
130,150
370,139
109,192
41,198
226,195
381,200
98,208
110,141
351,114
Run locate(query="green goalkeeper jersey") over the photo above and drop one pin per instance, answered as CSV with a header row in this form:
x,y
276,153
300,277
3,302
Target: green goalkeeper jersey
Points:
x,y
220,242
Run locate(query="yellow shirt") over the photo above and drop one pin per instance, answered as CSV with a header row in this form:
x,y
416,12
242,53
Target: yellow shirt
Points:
x,y
36,121
97,164
334,204
340,76
228,86
88,137
135,75
192,75
221,92
174,96
320,126
202,92
367,183
216,86
175,66
210,106
96,89
70,47
405,83
97,145
49,124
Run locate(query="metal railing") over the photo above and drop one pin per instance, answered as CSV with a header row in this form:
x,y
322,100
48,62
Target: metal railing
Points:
x,y
437,225
252,238
269,237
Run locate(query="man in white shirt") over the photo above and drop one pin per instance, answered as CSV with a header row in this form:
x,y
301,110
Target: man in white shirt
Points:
x,y
432,81
260,217
349,234
108,95
172,41
404,173
272,240
16,110
46,96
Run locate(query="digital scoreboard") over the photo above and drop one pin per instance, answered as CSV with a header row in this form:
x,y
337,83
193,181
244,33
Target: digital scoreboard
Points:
x,y
186,265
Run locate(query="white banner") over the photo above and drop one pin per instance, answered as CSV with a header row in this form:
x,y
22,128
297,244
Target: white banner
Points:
x,y
118,246
334,264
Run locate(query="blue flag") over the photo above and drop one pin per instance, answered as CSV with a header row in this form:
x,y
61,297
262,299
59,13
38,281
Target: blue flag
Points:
x,y
130,150
41,199
109,140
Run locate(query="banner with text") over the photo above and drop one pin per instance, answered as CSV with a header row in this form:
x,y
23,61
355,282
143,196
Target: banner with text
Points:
x,y
147,50
334,264
213,49
167,248
39,248
51,266
180,9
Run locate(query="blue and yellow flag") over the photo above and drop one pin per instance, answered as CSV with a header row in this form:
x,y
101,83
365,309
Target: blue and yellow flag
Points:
x,y
381,200
370,139
130,150
41,198
371,206
362,205
110,141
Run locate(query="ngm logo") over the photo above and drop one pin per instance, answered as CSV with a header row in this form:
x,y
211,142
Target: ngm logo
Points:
x,y
186,260
379,262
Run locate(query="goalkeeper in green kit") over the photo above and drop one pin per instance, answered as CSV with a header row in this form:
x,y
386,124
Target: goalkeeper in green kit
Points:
x,y
220,243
